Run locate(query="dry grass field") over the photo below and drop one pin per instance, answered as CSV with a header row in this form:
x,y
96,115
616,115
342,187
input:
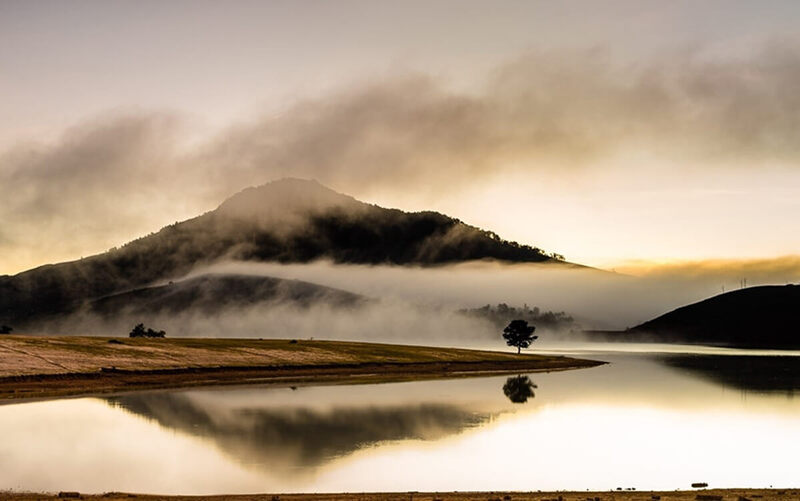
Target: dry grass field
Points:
x,y
42,367
703,495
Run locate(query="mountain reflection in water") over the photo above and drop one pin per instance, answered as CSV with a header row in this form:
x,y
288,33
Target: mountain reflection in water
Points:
x,y
767,374
299,436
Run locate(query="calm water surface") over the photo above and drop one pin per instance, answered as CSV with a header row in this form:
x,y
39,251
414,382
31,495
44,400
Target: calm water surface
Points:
x,y
652,419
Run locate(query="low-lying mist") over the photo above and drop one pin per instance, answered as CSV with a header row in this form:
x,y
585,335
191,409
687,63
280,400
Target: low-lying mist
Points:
x,y
404,304
401,304
596,299
378,321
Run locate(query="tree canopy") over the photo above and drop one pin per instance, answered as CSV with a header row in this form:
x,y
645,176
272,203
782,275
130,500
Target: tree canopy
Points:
x,y
518,333
503,313
140,331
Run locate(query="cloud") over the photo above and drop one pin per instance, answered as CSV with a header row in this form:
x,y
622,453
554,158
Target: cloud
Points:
x,y
112,178
546,109
101,181
724,272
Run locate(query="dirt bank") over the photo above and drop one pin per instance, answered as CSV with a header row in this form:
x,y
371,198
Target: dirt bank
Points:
x,y
707,495
43,367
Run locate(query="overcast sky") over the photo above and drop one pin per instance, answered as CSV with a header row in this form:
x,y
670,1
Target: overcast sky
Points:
x,y
606,131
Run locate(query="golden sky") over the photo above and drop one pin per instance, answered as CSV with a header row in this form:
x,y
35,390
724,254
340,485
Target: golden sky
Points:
x,y
606,131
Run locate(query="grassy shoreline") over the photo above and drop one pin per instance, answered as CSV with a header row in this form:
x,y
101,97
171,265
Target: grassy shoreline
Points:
x,y
35,367
683,495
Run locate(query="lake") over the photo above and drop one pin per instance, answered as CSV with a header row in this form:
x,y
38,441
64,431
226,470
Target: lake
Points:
x,y
655,417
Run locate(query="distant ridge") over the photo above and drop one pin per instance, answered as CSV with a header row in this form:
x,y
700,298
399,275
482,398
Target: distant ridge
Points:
x,y
756,317
213,293
286,221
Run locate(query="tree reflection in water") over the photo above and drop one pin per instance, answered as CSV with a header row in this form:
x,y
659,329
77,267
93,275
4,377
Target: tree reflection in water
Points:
x,y
519,389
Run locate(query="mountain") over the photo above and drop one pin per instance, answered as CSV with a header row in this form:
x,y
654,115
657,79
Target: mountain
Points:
x,y
756,317
286,221
213,293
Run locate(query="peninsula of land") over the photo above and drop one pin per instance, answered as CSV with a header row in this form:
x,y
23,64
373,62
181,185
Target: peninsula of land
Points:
x,y
56,366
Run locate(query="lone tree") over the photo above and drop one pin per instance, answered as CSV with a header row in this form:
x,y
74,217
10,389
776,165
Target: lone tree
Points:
x,y
140,331
518,333
4,329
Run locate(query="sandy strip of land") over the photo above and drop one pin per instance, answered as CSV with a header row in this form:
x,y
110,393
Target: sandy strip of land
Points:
x,y
701,495
54,366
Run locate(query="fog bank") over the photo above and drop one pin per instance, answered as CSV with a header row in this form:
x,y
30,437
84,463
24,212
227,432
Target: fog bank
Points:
x,y
403,304
597,299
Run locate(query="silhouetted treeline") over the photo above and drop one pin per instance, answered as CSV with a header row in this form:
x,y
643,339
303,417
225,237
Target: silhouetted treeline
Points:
x,y
290,221
502,314
378,235
139,331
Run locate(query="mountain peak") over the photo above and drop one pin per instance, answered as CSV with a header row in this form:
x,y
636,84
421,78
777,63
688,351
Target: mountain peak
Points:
x,y
286,221
288,195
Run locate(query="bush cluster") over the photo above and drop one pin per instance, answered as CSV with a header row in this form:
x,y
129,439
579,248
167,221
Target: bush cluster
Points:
x,y
140,331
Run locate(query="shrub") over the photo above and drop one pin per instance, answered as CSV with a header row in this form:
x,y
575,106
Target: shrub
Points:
x,y
139,331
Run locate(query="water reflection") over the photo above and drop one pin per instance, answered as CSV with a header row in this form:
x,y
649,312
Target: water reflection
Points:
x,y
519,389
767,374
289,437
645,420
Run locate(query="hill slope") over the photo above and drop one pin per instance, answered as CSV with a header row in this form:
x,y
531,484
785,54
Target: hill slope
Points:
x,y
765,317
287,221
214,293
